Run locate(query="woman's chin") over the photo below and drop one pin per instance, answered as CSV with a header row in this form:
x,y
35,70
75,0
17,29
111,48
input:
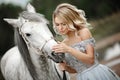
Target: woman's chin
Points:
x,y
63,33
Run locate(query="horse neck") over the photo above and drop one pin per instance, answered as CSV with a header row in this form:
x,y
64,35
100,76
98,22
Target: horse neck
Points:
x,y
44,66
41,64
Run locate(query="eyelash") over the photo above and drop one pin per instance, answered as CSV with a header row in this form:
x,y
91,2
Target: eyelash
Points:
x,y
61,24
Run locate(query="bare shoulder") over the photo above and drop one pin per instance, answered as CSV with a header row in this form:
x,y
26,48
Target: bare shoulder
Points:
x,y
85,33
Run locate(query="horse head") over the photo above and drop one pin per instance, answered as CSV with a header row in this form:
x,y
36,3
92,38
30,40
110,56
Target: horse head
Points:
x,y
34,39
33,27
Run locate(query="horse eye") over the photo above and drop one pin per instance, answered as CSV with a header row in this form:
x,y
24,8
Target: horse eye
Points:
x,y
28,34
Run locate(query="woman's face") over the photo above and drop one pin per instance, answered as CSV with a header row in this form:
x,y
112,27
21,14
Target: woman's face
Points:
x,y
61,26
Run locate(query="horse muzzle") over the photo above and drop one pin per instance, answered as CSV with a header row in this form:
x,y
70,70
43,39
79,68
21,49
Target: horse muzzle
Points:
x,y
57,57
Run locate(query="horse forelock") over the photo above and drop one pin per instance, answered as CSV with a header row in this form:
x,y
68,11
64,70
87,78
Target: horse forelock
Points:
x,y
25,54
35,17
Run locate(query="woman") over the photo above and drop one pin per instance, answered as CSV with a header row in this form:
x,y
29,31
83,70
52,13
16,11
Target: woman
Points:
x,y
78,45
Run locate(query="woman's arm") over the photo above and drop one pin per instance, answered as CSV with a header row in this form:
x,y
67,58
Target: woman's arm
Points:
x,y
88,56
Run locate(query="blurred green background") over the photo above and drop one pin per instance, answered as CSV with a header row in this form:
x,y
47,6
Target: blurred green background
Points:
x,y
104,16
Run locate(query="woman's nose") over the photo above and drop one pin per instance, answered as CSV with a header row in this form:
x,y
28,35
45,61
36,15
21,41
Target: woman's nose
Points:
x,y
60,27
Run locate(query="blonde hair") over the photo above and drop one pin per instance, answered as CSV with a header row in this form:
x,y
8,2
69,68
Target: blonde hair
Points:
x,y
75,18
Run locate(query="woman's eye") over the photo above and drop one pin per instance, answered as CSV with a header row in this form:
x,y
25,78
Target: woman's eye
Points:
x,y
57,24
64,24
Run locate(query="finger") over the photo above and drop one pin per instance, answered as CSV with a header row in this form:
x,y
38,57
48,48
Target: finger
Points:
x,y
58,42
56,46
58,51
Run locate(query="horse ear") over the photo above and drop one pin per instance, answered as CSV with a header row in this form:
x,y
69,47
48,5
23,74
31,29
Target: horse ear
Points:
x,y
30,8
13,22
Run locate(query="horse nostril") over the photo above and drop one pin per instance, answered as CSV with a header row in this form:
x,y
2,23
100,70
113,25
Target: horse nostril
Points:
x,y
53,53
57,57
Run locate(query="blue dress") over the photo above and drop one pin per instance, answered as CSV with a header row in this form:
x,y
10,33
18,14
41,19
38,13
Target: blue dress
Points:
x,y
95,71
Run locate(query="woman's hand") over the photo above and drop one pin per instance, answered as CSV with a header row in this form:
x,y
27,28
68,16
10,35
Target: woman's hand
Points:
x,y
62,66
61,47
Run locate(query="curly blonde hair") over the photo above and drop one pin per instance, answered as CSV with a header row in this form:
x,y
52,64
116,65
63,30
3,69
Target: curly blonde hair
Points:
x,y
75,18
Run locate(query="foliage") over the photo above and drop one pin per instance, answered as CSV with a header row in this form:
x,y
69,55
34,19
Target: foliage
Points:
x,y
106,26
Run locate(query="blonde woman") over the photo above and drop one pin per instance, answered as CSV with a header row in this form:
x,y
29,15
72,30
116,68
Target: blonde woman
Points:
x,y
78,45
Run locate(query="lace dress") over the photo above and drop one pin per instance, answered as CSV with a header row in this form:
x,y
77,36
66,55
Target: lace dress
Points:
x,y
86,71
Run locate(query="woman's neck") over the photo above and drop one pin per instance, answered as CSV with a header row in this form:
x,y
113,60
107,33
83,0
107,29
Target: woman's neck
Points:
x,y
70,35
72,38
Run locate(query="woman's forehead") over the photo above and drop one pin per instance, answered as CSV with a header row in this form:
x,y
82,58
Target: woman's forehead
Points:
x,y
61,19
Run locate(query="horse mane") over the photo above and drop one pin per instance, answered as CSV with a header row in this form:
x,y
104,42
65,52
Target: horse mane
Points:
x,y
19,41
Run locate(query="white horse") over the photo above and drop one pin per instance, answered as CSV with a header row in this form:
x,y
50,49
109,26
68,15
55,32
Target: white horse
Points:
x,y
28,60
